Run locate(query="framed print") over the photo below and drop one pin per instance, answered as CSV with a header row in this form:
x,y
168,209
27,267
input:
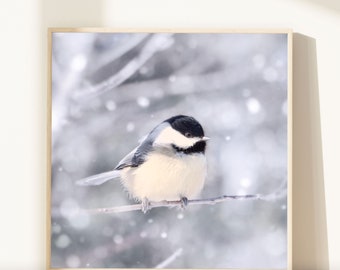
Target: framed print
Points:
x,y
169,149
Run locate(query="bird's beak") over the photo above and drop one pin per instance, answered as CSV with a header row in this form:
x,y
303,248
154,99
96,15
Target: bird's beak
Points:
x,y
205,139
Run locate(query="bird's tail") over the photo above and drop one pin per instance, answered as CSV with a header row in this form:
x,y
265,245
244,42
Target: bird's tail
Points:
x,y
98,179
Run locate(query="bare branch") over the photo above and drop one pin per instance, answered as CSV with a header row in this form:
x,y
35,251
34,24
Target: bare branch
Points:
x,y
155,44
170,259
122,47
210,201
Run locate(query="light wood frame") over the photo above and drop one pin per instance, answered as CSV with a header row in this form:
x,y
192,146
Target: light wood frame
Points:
x,y
289,33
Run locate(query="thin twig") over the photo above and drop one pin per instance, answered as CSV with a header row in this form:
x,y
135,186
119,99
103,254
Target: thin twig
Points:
x,y
126,44
170,259
210,201
156,43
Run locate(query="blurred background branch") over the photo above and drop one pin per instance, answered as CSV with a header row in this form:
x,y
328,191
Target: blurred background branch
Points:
x,y
155,44
170,259
110,89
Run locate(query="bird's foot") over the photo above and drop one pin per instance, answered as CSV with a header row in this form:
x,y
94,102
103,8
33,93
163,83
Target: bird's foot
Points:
x,y
184,202
145,205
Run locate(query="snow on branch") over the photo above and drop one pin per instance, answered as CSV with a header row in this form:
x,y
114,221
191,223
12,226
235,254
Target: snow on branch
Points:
x,y
210,201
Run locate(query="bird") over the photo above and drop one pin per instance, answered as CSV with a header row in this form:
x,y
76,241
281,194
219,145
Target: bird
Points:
x,y
169,164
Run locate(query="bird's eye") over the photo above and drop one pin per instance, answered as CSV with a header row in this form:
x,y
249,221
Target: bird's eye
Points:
x,y
188,135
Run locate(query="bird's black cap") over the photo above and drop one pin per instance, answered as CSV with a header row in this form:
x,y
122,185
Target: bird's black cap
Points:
x,y
186,125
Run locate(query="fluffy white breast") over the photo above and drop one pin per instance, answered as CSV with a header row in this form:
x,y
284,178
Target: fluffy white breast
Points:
x,y
166,177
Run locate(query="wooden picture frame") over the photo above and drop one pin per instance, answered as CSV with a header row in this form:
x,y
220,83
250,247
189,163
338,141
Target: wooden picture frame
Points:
x,y
93,70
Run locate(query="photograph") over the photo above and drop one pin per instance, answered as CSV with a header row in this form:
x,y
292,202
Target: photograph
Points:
x,y
169,149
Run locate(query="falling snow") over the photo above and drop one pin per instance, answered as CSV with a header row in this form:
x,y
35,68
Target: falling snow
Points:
x,y
180,215
110,90
143,102
253,105
63,241
259,61
56,228
118,239
110,105
270,74
79,62
73,261
143,234
245,182
130,127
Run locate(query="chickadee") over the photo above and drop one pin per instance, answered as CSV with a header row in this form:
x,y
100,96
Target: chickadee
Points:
x,y
169,164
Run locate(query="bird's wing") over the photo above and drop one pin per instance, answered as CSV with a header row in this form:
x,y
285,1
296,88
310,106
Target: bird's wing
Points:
x,y
127,160
137,156
133,159
98,179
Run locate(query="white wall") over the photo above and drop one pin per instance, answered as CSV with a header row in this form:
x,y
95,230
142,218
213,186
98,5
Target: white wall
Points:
x,y
316,110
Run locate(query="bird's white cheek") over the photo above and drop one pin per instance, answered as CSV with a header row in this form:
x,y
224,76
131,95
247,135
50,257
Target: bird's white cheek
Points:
x,y
171,136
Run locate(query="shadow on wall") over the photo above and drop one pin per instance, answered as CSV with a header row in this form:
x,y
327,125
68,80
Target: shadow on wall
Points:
x,y
310,244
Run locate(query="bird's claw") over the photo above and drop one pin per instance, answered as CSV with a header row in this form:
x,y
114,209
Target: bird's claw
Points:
x,y
145,205
184,202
